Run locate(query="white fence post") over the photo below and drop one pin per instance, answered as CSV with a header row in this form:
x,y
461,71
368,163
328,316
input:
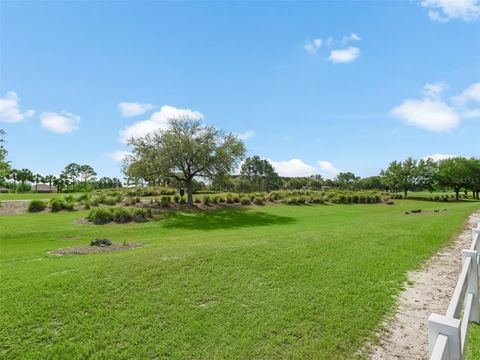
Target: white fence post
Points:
x,y
450,327
472,286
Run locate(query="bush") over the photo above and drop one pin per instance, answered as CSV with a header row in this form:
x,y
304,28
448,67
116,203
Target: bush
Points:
x,y
206,199
140,214
229,199
121,215
100,216
245,201
109,200
258,201
56,204
216,199
197,200
36,205
176,198
236,199
69,205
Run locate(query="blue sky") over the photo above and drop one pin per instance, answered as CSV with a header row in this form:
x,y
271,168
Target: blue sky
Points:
x,y
314,87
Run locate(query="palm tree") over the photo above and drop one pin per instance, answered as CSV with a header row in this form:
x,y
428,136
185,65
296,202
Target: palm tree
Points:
x,y
14,176
38,178
50,179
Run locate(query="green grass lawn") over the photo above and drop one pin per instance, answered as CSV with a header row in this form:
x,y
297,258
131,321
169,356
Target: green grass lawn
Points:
x,y
278,281
33,196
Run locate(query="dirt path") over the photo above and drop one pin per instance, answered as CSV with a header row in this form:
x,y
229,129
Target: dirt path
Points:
x,y
406,336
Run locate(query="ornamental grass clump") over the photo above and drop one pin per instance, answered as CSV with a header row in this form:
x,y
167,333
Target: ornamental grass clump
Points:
x,y
121,215
100,216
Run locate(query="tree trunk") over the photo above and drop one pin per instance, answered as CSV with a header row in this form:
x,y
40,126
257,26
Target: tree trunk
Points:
x,y
188,183
457,194
405,191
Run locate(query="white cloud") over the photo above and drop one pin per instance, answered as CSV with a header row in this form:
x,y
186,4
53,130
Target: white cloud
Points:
x,y
445,10
345,55
129,109
327,169
432,115
439,157
246,135
293,168
351,37
158,120
10,110
61,123
472,93
434,90
118,155
313,46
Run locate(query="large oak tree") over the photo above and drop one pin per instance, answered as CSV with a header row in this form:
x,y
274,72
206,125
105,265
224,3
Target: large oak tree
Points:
x,y
185,150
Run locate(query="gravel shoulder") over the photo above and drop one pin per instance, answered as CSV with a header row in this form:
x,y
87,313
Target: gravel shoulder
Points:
x,y
405,336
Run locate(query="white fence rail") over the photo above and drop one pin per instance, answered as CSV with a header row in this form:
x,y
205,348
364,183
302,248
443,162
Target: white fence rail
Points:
x,y
448,334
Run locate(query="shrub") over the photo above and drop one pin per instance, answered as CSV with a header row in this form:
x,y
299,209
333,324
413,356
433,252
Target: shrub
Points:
x,y
121,215
94,201
82,197
69,205
100,216
109,200
236,199
140,214
176,198
229,199
258,201
36,205
222,200
245,201
216,199
56,204
197,200
206,199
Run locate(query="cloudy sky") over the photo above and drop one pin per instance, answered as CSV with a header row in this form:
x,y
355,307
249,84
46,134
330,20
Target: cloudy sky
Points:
x,y
313,87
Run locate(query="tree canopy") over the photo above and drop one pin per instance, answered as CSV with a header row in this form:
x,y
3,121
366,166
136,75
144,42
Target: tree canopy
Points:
x,y
185,150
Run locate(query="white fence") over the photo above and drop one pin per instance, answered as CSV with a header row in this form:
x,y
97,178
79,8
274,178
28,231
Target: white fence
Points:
x,y
448,335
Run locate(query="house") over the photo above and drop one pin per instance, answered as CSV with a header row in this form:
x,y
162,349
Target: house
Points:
x,y
44,188
4,190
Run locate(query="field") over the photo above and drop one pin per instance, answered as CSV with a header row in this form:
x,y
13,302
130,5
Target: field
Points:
x,y
263,282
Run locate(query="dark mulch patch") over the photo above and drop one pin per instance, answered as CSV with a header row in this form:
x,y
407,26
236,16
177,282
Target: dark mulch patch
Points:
x,y
424,212
82,250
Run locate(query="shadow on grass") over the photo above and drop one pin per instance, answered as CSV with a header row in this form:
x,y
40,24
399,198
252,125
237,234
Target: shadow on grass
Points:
x,y
223,219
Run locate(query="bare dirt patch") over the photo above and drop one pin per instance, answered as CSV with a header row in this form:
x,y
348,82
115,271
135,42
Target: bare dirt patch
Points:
x,y
82,250
406,336
14,207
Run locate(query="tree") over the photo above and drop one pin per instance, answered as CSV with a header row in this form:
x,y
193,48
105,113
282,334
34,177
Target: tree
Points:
x,y
37,178
371,183
4,164
185,150
70,174
260,173
86,173
13,175
50,179
474,177
401,175
454,173
426,174
346,180
25,175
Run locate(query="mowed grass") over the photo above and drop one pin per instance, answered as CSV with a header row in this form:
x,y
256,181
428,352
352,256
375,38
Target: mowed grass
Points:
x,y
273,282
33,196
